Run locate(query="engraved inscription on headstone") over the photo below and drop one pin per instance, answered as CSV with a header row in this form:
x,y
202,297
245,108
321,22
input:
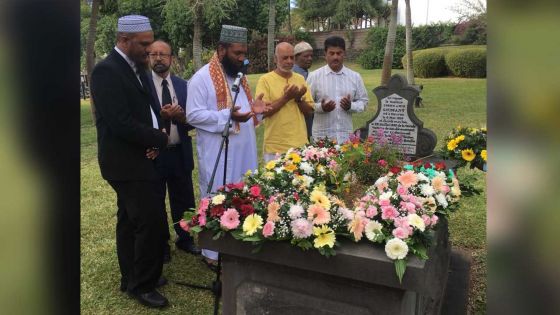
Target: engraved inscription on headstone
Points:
x,y
395,116
393,119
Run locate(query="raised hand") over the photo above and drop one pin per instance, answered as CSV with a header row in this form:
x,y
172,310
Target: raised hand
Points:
x,y
291,91
346,102
259,106
239,116
327,106
301,92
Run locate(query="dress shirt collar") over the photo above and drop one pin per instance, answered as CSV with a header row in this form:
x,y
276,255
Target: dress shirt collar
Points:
x,y
128,60
342,70
158,80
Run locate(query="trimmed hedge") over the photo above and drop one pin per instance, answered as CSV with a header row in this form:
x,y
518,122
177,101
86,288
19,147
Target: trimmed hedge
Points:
x,y
429,64
468,63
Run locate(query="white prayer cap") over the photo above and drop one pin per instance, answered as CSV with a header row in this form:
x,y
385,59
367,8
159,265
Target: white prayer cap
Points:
x,y
301,47
133,24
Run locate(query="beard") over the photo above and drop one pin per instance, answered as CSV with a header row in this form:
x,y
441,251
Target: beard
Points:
x,y
160,68
230,67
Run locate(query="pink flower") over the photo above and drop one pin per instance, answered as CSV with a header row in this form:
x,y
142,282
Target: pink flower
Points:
x,y
427,220
318,214
401,222
382,163
273,212
408,206
400,232
445,189
184,225
388,213
202,220
384,202
301,228
401,190
203,206
371,212
434,219
408,179
268,229
357,227
333,165
255,190
438,182
230,219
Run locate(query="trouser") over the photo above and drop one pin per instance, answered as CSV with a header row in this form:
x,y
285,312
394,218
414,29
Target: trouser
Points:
x,y
178,181
141,227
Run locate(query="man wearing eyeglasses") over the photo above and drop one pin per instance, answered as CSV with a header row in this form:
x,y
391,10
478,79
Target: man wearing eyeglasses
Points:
x,y
175,162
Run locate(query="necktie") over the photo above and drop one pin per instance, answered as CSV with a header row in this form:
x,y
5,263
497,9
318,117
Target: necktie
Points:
x,y
165,99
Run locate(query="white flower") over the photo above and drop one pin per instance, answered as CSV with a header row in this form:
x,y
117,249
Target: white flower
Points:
x,y
422,177
456,191
441,200
218,199
427,189
381,180
346,213
396,249
278,170
416,221
306,167
386,195
373,228
295,211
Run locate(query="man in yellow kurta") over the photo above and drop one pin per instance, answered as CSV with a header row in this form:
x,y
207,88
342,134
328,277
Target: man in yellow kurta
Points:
x,y
290,101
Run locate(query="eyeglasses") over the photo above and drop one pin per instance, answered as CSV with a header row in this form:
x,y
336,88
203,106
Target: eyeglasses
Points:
x,y
162,56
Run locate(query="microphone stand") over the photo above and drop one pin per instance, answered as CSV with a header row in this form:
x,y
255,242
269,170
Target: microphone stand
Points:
x,y
216,287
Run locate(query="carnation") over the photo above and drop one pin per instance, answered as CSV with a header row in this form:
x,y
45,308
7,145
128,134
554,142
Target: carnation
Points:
x,y
427,190
218,199
400,232
268,229
295,211
301,228
306,168
441,200
396,249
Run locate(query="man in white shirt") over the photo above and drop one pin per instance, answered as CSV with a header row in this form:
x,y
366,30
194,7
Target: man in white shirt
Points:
x,y
338,93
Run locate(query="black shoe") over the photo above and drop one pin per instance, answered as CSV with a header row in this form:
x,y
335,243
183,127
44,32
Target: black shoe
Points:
x,y
151,299
160,283
191,249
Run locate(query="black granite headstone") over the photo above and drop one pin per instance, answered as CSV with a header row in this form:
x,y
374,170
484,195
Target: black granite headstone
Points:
x,y
395,116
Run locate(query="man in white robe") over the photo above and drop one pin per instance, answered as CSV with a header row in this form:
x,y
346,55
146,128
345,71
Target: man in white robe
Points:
x,y
209,100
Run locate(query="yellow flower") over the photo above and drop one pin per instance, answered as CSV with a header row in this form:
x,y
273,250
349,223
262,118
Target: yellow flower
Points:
x,y
269,175
248,173
451,145
468,155
483,154
294,157
252,223
218,199
460,138
270,165
290,167
319,198
344,148
355,145
324,236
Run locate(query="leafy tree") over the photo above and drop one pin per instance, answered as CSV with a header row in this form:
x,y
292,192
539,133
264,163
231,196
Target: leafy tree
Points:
x,y
409,61
271,32
390,44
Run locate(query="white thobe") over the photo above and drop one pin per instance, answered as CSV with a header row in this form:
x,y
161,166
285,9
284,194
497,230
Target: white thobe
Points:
x,y
203,114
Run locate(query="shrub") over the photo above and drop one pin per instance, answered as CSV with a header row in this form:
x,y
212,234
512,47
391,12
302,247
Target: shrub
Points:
x,y
467,63
445,50
429,64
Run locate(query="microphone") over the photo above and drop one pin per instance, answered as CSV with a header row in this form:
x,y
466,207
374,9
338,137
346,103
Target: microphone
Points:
x,y
240,75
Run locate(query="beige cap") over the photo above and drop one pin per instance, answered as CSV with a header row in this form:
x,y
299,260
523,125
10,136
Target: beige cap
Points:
x,y
301,47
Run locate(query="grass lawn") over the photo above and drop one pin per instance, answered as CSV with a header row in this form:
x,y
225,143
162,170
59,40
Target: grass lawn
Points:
x,y
448,102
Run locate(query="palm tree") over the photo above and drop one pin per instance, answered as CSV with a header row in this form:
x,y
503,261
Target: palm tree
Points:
x,y
197,32
390,44
271,31
408,28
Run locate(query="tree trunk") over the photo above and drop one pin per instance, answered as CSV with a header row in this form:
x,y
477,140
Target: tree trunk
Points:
x,y
390,44
409,64
197,30
271,31
290,18
90,53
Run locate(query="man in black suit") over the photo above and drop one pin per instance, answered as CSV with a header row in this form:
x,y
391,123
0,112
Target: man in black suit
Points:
x,y
175,162
129,139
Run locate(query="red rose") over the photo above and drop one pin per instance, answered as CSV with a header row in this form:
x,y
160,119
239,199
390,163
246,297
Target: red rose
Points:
x,y
255,190
236,202
247,210
296,196
427,165
395,169
440,166
217,211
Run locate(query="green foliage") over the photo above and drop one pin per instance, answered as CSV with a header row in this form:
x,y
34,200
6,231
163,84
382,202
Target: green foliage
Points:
x,y
253,14
300,35
468,63
106,34
422,37
189,68
400,268
429,64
